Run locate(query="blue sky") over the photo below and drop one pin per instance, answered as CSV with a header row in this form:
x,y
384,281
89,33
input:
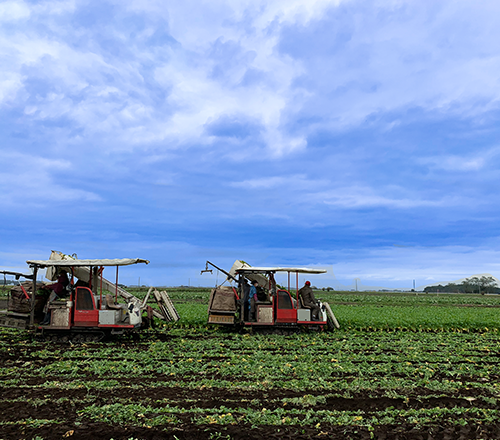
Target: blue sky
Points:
x,y
357,135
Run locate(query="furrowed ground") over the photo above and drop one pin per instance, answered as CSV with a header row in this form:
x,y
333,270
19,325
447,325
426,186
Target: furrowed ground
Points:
x,y
403,366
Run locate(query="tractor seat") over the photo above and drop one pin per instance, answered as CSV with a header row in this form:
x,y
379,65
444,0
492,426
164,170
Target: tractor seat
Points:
x,y
301,303
110,303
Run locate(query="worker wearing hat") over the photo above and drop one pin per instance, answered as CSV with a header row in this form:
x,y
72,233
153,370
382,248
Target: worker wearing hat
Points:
x,y
309,301
252,299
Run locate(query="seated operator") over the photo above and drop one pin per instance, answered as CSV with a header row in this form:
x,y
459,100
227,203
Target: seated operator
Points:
x,y
309,301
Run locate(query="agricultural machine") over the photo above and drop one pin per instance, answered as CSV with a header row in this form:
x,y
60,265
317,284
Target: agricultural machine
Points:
x,y
276,309
87,307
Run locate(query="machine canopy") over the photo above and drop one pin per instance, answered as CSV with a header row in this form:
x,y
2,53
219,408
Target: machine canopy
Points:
x,y
245,270
79,263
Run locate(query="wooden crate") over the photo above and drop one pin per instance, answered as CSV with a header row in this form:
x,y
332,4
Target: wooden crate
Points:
x,y
221,319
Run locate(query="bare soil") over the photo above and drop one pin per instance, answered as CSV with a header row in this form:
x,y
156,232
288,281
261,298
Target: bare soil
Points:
x,y
45,403
212,398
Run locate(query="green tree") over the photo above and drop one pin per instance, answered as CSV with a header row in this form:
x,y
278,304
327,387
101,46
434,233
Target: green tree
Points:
x,y
486,283
468,285
483,284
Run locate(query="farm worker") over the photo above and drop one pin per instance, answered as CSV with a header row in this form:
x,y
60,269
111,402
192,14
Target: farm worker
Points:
x,y
58,290
246,298
309,301
252,299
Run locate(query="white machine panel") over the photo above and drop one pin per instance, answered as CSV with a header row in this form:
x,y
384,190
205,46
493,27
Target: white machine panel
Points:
x,y
303,315
108,317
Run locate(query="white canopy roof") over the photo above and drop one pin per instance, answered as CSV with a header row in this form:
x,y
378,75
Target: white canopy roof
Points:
x,y
79,263
279,269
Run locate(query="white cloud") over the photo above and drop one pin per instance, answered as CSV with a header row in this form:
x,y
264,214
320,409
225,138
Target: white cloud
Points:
x,y
366,197
262,183
455,162
301,76
55,7
13,10
380,267
194,95
398,267
27,180
295,11
9,86
295,182
359,59
379,59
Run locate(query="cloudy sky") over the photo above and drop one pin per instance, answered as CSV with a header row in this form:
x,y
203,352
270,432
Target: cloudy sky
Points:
x,y
357,135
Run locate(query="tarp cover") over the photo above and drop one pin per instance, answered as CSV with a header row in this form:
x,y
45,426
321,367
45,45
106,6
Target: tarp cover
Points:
x,y
223,299
239,264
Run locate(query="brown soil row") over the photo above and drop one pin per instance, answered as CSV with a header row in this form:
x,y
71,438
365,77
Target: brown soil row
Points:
x,y
187,431
212,398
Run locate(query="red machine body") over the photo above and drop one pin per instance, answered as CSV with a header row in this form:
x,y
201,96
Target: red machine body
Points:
x,y
279,310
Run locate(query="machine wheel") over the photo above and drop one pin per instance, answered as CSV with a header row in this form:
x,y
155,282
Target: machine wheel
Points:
x,y
330,318
146,323
80,338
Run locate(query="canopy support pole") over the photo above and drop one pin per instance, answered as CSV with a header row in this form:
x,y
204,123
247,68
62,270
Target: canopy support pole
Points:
x,y
297,286
33,295
116,286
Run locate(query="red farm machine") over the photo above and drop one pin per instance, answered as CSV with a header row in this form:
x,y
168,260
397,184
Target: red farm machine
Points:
x,y
277,310
85,307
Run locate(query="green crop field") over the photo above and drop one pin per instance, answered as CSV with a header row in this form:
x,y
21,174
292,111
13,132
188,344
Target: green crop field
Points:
x,y
407,366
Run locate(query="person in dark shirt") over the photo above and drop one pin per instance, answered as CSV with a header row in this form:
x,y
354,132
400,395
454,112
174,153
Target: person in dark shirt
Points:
x,y
58,290
309,301
60,285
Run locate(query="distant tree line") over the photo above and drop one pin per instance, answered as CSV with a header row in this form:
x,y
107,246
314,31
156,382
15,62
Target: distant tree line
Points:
x,y
475,284
7,282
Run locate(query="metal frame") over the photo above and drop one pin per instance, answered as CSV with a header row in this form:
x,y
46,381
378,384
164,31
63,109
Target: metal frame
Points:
x,y
95,266
279,315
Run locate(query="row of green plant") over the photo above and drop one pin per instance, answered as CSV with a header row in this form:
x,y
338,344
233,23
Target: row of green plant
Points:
x,y
413,299
148,416
340,361
257,370
153,416
410,349
372,317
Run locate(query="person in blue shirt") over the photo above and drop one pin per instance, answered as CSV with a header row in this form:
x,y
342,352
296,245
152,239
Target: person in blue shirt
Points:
x,y
252,299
